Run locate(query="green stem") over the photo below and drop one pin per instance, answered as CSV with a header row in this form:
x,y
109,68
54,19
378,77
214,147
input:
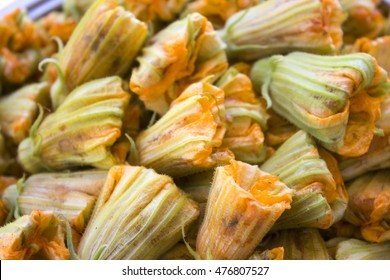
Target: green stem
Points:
x,y
69,238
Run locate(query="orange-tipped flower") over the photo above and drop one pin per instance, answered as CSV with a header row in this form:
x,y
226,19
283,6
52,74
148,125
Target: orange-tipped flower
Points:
x,y
139,215
104,43
282,26
80,132
185,52
334,98
72,194
19,110
187,139
363,19
244,203
246,117
39,235
369,205
319,198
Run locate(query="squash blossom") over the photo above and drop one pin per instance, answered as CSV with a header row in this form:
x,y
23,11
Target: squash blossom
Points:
x,y
80,132
243,204
72,194
38,235
246,117
138,215
185,52
188,138
369,205
334,98
319,197
283,26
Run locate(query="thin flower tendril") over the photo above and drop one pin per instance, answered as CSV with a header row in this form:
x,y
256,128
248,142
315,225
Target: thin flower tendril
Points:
x,y
20,184
267,83
34,127
265,92
153,119
134,155
69,238
189,248
19,190
37,149
58,41
54,61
